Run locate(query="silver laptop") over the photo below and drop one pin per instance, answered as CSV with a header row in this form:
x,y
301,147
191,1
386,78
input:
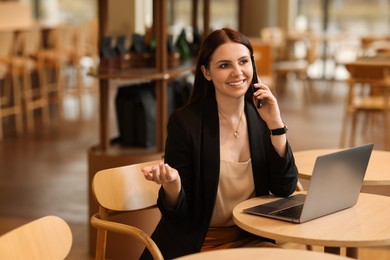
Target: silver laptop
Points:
x,y
335,185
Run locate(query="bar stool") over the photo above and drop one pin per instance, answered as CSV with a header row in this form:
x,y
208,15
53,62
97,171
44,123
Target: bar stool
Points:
x,y
30,67
82,56
10,99
56,56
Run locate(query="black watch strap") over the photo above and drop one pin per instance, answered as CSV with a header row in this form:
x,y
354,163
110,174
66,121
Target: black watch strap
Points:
x,y
279,131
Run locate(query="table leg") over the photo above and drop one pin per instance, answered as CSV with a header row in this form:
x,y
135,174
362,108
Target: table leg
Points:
x,y
352,252
332,250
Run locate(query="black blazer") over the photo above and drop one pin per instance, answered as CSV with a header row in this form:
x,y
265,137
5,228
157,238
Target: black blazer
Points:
x,y
193,148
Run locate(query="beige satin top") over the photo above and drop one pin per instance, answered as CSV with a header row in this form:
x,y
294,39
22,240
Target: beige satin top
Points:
x,y
235,185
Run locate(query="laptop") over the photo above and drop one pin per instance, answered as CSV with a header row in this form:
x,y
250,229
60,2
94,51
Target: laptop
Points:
x,y
335,185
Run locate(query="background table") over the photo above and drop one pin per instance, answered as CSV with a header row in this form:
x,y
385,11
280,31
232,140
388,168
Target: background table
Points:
x,y
378,170
261,253
366,224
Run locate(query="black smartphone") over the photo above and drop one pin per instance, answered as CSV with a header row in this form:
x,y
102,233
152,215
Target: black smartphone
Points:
x,y
255,79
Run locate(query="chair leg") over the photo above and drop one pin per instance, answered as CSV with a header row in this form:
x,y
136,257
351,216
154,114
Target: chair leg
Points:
x,y
17,103
344,130
60,90
28,100
80,86
386,129
353,130
101,244
13,102
306,83
43,94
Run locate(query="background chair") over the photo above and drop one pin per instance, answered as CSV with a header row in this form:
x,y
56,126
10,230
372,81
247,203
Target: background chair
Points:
x,y
274,36
119,190
56,56
31,68
10,101
369,86
47,238
10,89
263,54
294,53
83,56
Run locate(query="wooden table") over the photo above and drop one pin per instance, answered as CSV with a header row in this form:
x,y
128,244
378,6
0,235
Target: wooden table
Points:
x,y
364,225
378,170
261,253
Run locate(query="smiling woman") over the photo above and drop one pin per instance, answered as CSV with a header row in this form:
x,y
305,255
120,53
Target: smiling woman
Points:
x,y
219,152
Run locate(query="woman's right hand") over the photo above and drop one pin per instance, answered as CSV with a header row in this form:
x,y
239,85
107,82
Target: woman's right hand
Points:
x,y
168,177
161,173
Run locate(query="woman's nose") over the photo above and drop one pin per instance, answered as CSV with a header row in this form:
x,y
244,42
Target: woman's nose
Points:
x,y
236,71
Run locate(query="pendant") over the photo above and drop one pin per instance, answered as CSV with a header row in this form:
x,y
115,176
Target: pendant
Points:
x,y
236,134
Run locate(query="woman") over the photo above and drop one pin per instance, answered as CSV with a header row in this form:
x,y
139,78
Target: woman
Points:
x,y
219,152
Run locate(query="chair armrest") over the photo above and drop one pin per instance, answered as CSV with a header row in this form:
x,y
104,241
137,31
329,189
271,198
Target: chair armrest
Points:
x,y
121,228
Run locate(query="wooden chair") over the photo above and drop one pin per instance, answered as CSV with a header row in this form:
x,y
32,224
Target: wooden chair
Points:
x,y
369,86
288,64
274,36
56,55
10,101
28,43
119,190
368,43
82,57
47,238
10,96
262,51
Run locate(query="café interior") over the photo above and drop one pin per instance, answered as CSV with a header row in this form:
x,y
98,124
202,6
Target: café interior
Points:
x,y
65,64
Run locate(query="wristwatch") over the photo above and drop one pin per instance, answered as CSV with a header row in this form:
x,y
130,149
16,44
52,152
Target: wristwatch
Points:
x,y
279,131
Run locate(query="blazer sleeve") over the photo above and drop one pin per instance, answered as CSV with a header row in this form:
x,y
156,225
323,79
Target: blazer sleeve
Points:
x,y
272,173
283,173
178,152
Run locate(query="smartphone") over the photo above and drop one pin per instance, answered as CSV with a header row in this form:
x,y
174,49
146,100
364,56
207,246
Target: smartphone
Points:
x,y
255,79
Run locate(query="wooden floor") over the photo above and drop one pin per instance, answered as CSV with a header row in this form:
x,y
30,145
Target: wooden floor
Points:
x,y
45,173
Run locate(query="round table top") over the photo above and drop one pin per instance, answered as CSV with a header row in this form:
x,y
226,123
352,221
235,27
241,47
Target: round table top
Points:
x,y
261,253
365,224
378,169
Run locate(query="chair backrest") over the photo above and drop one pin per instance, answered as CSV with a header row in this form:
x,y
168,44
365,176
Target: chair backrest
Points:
x,y
369,82
125,188
367,70
47,238
374,74
274,36
263,53
62,37
29,41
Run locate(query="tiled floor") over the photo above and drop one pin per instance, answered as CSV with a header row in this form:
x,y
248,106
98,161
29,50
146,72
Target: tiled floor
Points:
x,y
46,172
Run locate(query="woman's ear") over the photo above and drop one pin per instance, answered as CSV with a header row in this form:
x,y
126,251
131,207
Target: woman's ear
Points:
x,y
205,72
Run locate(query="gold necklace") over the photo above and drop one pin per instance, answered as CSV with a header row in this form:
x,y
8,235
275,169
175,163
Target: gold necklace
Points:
x,y
235,132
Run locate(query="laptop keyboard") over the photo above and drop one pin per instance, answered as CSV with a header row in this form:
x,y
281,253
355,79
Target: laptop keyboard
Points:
x,y
293,212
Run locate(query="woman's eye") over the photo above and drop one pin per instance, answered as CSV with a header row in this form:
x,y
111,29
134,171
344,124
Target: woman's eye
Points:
x,y
224,65
243,62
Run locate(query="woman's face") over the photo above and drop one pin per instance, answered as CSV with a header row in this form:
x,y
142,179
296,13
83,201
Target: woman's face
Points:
x,y
230,69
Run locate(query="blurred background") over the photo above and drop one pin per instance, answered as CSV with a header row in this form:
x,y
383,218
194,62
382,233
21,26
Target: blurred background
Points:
x,y
51,54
